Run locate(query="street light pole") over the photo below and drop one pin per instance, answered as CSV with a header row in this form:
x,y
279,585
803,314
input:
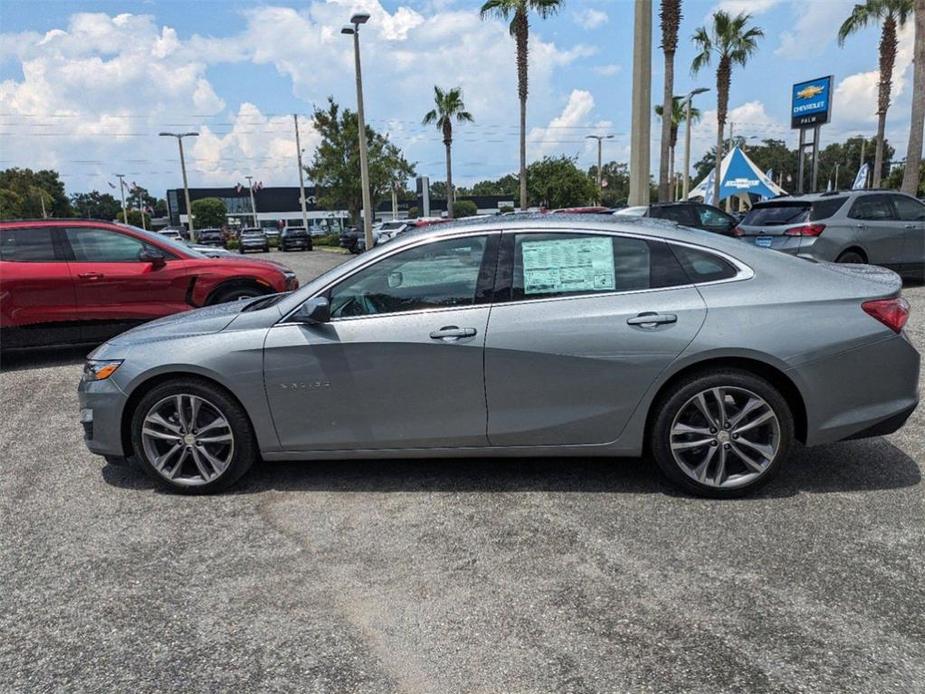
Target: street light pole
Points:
x,y
250,185
298,151
122,192
189,209
600,139
685,190
354,30
641,126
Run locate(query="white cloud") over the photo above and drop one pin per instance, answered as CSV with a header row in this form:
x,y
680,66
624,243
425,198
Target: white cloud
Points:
x,y
816,27
753,7
590,18
607,70
567,131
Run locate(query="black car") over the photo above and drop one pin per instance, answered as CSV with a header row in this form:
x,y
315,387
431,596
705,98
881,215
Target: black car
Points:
x,y
210,237
253,240
295,239
353,240
688,214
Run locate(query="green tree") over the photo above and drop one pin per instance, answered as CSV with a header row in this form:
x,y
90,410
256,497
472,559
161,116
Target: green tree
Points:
x,y
135,218
335,167
466,208
448,106
33,193
847,155
518,12
96,205
616,183
892,14
670,16
506,185
209,212
678,116
557,182
733,42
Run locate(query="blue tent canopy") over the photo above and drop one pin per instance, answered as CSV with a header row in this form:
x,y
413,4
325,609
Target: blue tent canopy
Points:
x,y
739,176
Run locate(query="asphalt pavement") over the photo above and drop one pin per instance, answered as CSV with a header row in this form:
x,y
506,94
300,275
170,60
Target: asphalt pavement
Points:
x,y
452,575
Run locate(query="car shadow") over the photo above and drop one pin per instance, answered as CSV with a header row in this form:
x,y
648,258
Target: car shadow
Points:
x,y
869,465
43,357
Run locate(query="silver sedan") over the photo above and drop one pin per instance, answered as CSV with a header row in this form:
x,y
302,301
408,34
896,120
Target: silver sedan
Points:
x,y
523,336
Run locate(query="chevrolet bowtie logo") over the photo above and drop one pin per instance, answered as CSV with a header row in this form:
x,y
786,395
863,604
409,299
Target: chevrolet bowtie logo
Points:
x,y
810,91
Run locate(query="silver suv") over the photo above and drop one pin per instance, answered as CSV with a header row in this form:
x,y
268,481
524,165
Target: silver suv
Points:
x,y
861,226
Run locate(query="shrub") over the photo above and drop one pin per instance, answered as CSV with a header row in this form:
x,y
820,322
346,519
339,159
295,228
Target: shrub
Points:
x,y
464,208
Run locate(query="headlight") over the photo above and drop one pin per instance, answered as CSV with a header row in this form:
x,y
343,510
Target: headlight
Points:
x,y
100,369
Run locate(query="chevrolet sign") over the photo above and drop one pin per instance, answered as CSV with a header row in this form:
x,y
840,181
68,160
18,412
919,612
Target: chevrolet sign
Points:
x,y
811,103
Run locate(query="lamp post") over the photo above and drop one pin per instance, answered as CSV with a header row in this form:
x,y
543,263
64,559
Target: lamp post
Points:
x,y
600,140
189,209
685,189
121,190
250,185
354,30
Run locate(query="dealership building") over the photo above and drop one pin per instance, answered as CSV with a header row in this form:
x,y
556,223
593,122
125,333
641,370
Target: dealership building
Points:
x,y
281,206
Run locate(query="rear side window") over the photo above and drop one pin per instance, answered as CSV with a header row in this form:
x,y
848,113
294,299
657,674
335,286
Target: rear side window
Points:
x,y
682,214
873,208
33,245
555,265
702,266
823,209
777,214
909,209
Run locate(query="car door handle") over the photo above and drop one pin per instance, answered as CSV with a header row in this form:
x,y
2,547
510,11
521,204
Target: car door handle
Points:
x,y
90,275
451,332
651,319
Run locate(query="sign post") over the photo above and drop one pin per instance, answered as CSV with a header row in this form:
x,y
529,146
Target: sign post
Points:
x,y
810,108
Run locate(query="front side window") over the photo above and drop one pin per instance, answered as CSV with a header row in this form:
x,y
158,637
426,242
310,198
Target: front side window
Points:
x,y
909,209
33,245
103,246
441,274
682,214
711,218
558,264
872,208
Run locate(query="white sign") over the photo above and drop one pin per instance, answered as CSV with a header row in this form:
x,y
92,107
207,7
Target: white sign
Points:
x,y
568,265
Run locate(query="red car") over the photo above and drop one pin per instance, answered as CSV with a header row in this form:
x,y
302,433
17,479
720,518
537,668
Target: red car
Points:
x,y
78,280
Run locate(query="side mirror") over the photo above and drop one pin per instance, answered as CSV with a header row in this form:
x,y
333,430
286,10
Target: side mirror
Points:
x,y
313,312
153,256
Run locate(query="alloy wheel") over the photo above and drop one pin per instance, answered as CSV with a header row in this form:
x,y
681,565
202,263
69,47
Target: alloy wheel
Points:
x,y
187,440
725,437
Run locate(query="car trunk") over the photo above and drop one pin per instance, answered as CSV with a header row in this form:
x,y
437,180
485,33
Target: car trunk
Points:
x,y
775,218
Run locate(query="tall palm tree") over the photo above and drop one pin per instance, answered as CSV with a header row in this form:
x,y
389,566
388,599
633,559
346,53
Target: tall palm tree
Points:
x,y
448,106
678,116
892,14
670,16
911,176
733,42
517,11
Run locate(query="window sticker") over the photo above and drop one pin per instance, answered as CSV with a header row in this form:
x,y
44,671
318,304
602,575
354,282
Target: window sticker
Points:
x,y
582,264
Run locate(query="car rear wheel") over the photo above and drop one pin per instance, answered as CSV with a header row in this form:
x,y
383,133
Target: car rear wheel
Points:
x,y
851,257
721,434
236,294
192,437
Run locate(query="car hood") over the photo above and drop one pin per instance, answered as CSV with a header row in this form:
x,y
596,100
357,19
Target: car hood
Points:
x,y
201,321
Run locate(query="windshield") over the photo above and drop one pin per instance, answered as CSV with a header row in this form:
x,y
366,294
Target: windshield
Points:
x,y
169,242
252,234
777,214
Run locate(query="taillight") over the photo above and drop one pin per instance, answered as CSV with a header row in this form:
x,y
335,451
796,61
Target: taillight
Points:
x,y
738,231
893,313
805,230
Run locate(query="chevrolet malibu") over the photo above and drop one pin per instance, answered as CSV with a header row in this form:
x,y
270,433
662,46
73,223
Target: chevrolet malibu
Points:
x,y
521,336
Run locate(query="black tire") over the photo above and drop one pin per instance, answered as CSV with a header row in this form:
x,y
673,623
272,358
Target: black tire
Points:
x,y
245,451
236,294
677,397
852,257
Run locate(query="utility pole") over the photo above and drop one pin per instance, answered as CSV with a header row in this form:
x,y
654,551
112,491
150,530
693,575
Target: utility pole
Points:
x,y
685,191
600,175
394,200
356,20
189,208
298,151
640,134
122,192
250,184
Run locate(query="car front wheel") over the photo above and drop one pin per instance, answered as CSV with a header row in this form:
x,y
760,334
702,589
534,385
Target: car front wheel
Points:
x,y
192,437
721,434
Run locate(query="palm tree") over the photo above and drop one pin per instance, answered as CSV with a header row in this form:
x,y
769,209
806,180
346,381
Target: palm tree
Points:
x,y
517,11
911,176
670,16
449,105
893,14
678,116
734,43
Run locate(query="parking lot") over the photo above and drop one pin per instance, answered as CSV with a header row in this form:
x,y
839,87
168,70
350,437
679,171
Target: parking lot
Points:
x,y
563,575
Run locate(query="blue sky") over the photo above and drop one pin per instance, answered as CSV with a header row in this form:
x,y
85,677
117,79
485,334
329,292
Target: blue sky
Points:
x,y
85,86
